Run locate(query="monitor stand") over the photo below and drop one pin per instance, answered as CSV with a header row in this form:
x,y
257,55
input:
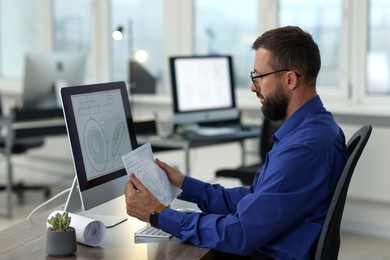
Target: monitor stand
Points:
x,y
58,85
74,205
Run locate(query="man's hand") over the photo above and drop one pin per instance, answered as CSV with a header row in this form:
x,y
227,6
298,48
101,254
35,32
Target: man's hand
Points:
x,y
174,175
140,202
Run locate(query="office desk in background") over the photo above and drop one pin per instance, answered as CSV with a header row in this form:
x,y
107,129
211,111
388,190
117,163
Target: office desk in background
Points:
x,y
189,141
27,123
27,240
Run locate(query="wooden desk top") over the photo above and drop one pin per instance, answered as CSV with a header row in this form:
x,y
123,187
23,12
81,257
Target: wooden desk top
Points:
x,y
27,240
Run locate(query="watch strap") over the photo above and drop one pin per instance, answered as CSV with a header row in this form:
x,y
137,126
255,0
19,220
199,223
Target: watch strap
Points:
x,y
153,219
159,208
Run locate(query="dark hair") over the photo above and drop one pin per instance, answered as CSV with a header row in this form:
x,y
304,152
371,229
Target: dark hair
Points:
x,y
292,48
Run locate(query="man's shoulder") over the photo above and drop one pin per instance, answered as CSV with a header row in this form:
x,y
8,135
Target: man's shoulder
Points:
x,y
315,131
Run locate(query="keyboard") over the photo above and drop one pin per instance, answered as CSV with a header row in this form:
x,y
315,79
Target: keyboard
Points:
x,y
212,131
151,232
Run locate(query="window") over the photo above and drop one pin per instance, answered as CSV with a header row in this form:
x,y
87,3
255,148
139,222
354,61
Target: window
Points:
x,y
18,35
227,27
323,20
378,53
142,25
71,31
72,27
353,37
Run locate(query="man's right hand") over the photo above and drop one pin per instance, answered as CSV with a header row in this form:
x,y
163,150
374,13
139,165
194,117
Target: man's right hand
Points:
x,y
174,175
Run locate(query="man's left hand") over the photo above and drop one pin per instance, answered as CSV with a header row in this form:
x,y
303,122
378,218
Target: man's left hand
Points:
x,y
140,202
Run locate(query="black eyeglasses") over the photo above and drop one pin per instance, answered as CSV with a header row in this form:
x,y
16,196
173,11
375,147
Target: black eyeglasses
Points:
x,y
266,74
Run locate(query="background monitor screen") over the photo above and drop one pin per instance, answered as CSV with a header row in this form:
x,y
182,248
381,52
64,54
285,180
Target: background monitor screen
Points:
x,y
141,80
203,89
100,130
46,73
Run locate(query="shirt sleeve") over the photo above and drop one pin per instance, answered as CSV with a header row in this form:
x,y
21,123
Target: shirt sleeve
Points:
x,y
291,190
212,198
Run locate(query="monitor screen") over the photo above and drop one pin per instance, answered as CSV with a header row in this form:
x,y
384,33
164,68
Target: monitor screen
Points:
x,y
46,73
203,89
100,130
141,80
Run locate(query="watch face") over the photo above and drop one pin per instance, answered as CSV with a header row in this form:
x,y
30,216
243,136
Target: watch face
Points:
x,y
154,219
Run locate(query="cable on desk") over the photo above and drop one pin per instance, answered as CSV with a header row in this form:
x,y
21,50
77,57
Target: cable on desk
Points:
x,y
47,202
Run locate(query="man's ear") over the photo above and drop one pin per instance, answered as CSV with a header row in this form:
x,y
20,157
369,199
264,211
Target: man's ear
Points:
x,y
292,80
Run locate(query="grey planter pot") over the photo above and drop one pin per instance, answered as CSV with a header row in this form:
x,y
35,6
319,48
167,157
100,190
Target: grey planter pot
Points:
x,y
61,243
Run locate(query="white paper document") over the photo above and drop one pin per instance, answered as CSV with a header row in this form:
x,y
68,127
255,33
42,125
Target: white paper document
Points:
x,y
141,162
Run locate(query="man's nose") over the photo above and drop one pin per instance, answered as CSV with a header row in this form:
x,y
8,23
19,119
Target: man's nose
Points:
x,y
253,88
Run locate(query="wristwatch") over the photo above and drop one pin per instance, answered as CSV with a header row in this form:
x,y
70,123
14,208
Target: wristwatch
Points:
x,y
153,219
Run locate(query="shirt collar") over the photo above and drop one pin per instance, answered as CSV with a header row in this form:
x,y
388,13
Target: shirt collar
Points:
x,y
296,119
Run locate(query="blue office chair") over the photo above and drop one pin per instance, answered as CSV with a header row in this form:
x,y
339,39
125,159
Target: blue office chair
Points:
x,y
329,241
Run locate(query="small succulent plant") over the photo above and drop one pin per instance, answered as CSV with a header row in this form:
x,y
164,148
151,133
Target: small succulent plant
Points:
x,y
60,222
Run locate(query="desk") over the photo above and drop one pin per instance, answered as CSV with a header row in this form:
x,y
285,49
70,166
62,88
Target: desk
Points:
x,y
27,240
193,141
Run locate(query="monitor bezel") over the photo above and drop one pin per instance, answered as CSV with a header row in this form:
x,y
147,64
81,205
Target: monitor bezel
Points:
x,y
66,94
227,112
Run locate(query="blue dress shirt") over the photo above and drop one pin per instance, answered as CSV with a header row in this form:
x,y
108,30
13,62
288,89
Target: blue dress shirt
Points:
x,y
282,213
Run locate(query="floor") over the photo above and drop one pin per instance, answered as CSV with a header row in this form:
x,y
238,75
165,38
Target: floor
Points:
x,y
60,176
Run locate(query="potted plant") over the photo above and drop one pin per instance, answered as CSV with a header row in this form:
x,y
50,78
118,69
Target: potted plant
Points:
x,y
60,237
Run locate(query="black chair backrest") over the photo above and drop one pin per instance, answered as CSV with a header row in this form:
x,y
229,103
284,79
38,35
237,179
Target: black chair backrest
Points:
x,y
266,132
329,241
30,127
30,116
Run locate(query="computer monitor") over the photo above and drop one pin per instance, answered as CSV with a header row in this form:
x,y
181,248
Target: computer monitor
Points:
x,y
100,130
141,80
203,89
46,73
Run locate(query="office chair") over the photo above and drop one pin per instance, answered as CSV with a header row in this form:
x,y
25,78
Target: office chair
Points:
x,y
21,145
247,173
329,241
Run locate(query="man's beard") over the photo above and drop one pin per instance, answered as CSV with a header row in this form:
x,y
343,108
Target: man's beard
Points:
x,y
275,107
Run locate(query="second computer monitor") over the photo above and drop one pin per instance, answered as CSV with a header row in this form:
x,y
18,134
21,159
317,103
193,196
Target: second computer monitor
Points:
x,y
203,89
46,73
141,80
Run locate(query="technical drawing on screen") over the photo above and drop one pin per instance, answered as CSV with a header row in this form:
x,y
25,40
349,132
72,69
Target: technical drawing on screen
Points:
x,y
100,129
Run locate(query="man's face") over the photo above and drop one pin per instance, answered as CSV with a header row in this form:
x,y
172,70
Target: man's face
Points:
x,y
269,89
275,104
